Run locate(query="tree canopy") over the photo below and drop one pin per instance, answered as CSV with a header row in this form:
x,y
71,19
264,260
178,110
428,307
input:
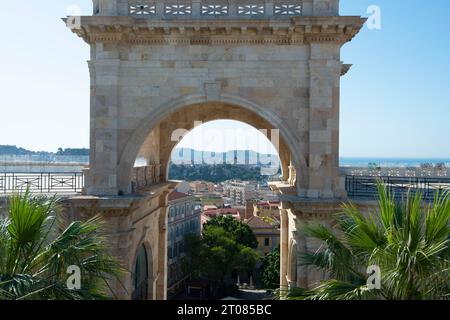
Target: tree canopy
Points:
x,y
219,251
237,231
35,255
408,241
270,274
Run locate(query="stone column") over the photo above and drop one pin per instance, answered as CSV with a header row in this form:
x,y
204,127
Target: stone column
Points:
x,y
284,247
102,176
161,283
302,271
325,68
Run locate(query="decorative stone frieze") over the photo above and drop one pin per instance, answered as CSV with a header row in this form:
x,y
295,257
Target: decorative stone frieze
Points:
x,y
299,30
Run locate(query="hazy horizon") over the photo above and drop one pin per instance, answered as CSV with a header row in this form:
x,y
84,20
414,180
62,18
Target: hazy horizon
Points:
x,y
243,150
395,101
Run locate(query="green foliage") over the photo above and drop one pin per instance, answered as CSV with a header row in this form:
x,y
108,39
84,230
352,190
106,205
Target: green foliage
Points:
x,y
72,152
271,269
34,255
215,173
13,150
238,231
408,240
219,252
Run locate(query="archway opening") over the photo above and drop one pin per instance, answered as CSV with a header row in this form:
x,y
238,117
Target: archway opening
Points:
x,y
156,143
141,275
225,166
224,150
212,135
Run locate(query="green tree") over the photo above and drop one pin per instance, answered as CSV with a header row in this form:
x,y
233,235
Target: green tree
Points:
x,y
247,258
239,232
408,240
218,252
35,255
270,274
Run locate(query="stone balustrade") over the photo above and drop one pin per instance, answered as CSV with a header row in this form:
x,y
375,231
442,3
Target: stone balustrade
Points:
x,y
223,9
146,175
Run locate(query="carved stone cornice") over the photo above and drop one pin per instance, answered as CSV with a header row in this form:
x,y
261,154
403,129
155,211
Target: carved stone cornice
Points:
x,y
314,209
297,30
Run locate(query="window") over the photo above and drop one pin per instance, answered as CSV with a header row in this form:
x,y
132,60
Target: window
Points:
x,y
266,242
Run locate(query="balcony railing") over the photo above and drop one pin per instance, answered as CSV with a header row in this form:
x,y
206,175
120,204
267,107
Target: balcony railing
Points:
x,y
365,187
236,9
59,183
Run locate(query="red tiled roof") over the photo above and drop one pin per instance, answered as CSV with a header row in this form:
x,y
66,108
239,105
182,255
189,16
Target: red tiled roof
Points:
x,y
222,211
257,223
269,203
175,195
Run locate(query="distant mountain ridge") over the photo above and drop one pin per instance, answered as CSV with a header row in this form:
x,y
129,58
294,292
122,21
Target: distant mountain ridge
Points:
x,y
244,157
14,150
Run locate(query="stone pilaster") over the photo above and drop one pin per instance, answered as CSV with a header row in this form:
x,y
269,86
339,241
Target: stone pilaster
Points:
x,y
284,248
325,71
302,271
161,283
102,177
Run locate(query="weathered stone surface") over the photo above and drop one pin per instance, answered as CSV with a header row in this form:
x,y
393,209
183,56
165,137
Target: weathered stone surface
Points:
x,y
157,76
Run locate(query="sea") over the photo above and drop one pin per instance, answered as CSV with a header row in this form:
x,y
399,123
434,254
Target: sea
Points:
x,y
54,163
391,162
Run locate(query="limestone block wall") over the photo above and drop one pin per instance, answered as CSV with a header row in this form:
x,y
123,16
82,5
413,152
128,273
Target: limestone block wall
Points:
x,y
129,223
294,216
286,71
147,79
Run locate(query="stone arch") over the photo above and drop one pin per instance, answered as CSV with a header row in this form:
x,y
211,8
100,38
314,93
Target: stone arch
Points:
x,y
154,118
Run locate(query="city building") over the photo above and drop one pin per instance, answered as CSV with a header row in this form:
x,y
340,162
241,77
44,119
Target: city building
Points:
x,y
202,187
267,235
214,212
267,209
240,191
184,218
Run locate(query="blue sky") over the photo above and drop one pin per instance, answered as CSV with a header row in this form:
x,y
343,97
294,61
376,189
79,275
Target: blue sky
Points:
x,y
395,101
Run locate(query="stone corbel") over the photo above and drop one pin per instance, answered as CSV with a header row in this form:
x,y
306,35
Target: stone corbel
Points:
x,y
345,68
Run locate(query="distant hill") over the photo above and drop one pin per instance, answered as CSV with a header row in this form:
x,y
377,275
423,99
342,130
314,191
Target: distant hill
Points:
x,y
246,157
185,156
14,150
220,172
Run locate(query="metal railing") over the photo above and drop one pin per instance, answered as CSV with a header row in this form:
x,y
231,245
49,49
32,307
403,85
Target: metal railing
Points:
x,y
365,187
60,183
